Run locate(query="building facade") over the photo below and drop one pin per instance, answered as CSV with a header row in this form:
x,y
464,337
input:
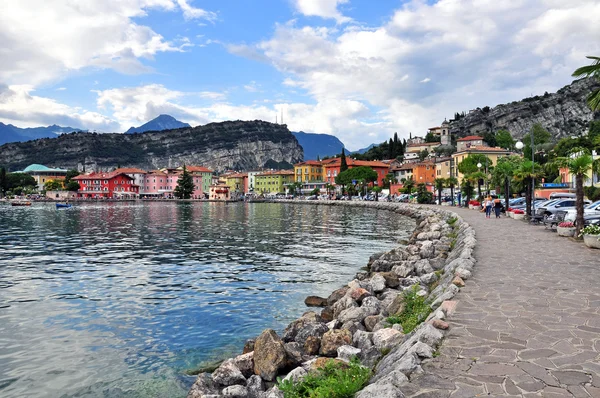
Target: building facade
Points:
x,y
107,186
42,174
465,143
204,178
331,168
309,171
491,153
219,192
273,182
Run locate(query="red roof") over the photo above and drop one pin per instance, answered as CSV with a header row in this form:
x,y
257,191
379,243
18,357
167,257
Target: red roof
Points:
x,y
131,170
309,163
481,148
101,176
425,144
198,169
470,138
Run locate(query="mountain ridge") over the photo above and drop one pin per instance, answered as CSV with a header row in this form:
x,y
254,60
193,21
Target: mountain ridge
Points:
x,y
318,145
159,123
12,133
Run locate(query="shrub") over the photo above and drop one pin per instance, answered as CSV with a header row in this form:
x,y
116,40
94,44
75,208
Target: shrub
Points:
x,y
566,224
474,203
518,211
590,230
415,311
334,380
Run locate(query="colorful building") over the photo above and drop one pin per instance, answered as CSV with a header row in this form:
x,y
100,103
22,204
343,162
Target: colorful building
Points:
x,y
492,153
331,168
424,172
428,146
138,175
444,167
403,172
204,177
309,171
219,191
465,143
106,185
237,183
42,174
273,182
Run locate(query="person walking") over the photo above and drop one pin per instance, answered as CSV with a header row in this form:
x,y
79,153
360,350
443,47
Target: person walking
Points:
x,y
488,207
497,207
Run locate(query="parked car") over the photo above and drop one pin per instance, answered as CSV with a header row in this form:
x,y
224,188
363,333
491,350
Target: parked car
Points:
x,y
589,210
553,207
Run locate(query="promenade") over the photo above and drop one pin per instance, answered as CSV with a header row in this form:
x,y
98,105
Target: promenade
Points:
x,y
527,323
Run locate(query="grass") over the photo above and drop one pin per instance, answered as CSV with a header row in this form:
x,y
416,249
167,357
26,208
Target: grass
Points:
x,y
436,354
332,381
414,313
452,221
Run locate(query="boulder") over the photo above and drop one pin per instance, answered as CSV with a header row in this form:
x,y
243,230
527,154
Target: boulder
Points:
x,y
269,355
311,329
334,339
406,268
362,340
354,314
248,346
274,392
439,324
374,257
395,378
255,386
369,357
204,385
359,294
372,304
315,301
228,374
353,326
380,391
386,339
458,281
427,249
245,363
423,267
335,324
371,321
296,375
336,295
235,392
391,279
347,352
378,283
294,353
429,278
290,332
321,362
397,305
327,314
312,345
343,304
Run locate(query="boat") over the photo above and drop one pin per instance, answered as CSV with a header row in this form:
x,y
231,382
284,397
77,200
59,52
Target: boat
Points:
x,y
20,203
63,205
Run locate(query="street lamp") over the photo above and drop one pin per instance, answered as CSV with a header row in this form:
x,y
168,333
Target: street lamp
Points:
x,y
519,145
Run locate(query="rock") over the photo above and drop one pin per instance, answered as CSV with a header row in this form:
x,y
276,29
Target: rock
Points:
x,y
204,385
327,314
362,275
458,281
290,332
385,339
380,391
439,324
398,327
347,352
377,283
396,306
274,392
343,304
269,355
245,363
408,364
404,269
372,304
235,392
335,324
359,294
391,279
296,375
463,273
429,278
423,267
437,263
248,346
228,374
255,386
311,329
421,350
334,339
395,378
336,295
294,354
320,363
374,257
371,321
354,314
353,326
370,356
362,339
448,307
315,301
383,324
447,295
427,249
312,345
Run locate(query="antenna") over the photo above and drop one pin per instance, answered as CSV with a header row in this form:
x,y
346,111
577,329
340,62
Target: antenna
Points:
x,y
282,115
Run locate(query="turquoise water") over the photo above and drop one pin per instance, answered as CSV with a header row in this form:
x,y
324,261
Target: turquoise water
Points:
x,y
121,299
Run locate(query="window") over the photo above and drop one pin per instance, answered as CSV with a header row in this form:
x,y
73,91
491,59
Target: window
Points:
x,y
106,181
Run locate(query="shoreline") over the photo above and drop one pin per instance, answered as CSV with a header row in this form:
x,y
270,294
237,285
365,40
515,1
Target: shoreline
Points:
x,y
435,262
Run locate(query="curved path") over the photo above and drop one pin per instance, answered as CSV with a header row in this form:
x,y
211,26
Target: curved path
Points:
x,y
528,322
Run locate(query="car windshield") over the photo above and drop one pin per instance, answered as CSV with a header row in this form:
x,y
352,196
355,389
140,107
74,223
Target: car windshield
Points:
x,y
593,205
548,203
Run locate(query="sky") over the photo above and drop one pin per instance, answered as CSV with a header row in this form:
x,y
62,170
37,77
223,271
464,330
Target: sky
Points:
x,y
358,69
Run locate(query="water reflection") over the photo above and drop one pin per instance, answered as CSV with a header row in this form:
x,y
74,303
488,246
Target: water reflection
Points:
x,y
120,299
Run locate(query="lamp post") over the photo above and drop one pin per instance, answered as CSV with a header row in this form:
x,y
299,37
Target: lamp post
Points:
x,y
519,145
479,181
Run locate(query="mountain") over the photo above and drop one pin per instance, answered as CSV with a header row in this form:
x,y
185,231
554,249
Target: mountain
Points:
x,y
318,145
160,123
10,133
363,150
237,145
563,114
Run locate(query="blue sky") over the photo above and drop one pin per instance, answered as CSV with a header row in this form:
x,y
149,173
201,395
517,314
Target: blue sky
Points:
x,y
358,69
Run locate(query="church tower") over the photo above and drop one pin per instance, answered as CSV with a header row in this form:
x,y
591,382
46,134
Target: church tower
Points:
x,y
446,139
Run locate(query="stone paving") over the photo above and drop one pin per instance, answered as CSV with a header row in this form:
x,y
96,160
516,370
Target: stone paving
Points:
x,y
528,322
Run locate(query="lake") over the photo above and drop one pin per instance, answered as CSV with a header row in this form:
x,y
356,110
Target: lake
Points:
x,y
125,299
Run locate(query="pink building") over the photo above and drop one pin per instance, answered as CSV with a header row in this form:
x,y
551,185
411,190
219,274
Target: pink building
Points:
x,y
162,183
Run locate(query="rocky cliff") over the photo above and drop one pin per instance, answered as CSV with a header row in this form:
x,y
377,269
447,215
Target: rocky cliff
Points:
x,y
220,146
563,114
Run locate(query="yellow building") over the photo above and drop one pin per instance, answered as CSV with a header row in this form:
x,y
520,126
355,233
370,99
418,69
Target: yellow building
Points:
x,y
443,167
419,147
309,171
492,153
42,174
237,183
273,182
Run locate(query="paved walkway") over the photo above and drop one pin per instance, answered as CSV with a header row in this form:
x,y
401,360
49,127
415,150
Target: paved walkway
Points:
x,y
527,323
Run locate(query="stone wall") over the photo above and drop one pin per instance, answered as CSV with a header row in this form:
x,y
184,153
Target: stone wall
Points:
x,y
353,320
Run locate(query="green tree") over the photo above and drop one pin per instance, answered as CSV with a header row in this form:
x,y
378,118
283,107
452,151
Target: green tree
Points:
x,y
439,183
294,188
503,174
315,192
377,191
430,137
343,164
19,180
72,186
329,188
390,154
185,185
408,185
53,185
3,181
467,188
526,173
423,154
423,195
541,136
452,182
70,175
592,71
490,138
579,166
504,139
362,174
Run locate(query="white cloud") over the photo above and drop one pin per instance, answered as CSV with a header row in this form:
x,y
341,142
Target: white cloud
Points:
x,y
18,106
67,36
61,89
322,8
470,52
252,87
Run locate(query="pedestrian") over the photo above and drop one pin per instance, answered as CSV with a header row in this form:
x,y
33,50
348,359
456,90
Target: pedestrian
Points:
x,y
488,207
497,207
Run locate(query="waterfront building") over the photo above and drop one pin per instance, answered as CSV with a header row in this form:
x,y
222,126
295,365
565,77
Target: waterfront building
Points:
x,y
465,143
273,182
446,137
424,172
219,191
309,171
237,183
403,172
491,153
106,185
138,175
411,156
252,180
42,174
443,167
331,168
202,180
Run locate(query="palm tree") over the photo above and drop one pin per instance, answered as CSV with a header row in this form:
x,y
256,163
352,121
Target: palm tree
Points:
x,y
526,173
439,185
592,70
451,182
579,166
503,173
408,185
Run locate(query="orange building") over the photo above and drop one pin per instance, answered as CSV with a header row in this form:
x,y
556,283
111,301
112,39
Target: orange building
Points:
x,y
424,172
